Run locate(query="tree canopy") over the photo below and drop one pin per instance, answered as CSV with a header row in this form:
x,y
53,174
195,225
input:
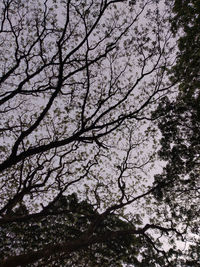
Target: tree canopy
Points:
x,y
180,124
87,89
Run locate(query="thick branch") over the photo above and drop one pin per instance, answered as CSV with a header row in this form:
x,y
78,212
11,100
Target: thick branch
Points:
x,y
72,246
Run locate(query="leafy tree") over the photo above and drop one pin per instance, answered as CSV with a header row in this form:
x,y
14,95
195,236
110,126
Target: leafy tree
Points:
x,y
187,20
79,81
180,128
66,220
